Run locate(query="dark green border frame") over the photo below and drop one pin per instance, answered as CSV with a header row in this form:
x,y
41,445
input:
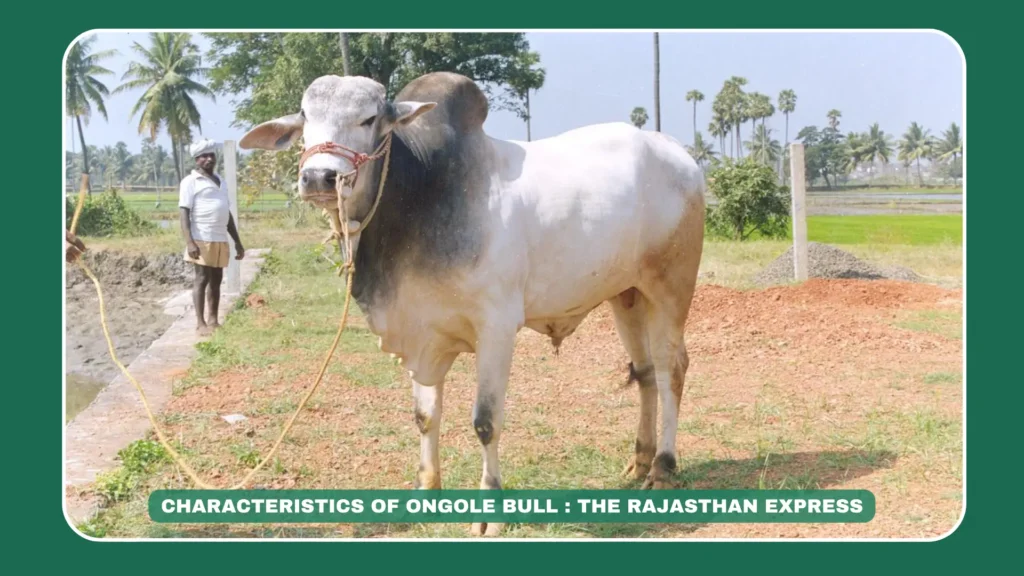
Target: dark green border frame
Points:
x,y
35,48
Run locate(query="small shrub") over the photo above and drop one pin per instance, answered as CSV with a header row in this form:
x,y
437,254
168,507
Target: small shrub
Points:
x,y
138,460
750,200
117,485
107,214
142,456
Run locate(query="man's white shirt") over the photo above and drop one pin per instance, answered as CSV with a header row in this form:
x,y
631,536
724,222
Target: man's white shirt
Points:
x,y
209,206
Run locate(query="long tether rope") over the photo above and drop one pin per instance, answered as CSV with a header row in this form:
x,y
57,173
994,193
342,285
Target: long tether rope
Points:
x,y
349,265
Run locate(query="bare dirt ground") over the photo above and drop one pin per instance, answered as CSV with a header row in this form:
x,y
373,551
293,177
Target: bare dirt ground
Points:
x,y
836,383
134,289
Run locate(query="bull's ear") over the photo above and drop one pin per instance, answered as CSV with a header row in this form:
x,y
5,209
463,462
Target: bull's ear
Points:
x,y
277,134
407,111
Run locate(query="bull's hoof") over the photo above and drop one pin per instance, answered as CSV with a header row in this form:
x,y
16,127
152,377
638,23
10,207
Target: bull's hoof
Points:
x,y
650,483
636,470
427,480
486,529
660,476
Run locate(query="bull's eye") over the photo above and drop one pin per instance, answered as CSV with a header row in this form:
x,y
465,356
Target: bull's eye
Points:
x,y
368,121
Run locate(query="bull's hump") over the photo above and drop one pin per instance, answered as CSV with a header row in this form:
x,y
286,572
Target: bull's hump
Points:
x,y
461,102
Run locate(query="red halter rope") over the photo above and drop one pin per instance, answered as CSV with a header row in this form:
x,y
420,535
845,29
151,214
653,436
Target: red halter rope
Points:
x,y
355,157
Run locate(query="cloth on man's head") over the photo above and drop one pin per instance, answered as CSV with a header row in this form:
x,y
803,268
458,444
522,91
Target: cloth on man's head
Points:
x,y
203,146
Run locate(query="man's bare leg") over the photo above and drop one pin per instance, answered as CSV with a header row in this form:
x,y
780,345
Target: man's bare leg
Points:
x,y
213,295
199,285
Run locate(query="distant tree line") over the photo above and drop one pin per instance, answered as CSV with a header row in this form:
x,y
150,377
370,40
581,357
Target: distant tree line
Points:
x,y
830,154
272,70
116,167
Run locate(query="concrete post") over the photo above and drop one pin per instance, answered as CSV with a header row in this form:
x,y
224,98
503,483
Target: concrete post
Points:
x,y
799,193
233,278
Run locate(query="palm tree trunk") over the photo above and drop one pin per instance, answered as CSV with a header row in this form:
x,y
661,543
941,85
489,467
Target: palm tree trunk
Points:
x,y
782,170
85,154
695,122
920,179
346,65
182,156
177,163
787,129
657,84
527,114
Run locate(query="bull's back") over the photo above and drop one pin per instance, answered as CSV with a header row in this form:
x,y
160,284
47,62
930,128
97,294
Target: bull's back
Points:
x,y
583,208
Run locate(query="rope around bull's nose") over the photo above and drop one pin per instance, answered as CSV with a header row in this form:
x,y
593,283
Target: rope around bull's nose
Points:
x,y
349,265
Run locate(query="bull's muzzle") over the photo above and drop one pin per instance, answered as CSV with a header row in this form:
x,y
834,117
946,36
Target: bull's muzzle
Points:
x,y
318,186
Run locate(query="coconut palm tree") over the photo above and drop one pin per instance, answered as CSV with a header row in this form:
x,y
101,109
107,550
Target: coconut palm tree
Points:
x,y
787,104
701,150
917,143
760,107
719,128
82,89
166,169
695,96
854,151
951,144
106,155
168,72
95,163
833,118
750,110
731,104
638,116
121,162
877,145
762,147
152,159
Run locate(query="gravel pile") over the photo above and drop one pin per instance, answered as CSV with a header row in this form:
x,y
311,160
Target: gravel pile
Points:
x,y
826,261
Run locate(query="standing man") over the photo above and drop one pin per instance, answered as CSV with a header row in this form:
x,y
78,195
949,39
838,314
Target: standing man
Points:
x,y
206,223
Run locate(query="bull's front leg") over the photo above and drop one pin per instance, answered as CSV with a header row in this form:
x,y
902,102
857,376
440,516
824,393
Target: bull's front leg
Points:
x,y
494,362
428,396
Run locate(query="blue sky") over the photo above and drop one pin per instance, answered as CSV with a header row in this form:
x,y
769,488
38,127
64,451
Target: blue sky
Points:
x,y
886,77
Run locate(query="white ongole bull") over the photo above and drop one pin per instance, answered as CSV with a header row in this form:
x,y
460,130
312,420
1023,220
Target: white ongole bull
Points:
x,y
475,238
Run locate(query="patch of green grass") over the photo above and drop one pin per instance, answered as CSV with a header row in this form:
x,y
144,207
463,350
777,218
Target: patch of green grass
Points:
x,y
848,190
942,378
943,323
844,460
247,455
278,405
377,371
907,229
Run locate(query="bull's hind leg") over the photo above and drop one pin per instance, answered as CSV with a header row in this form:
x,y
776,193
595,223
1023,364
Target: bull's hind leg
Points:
x,y
670,364
668,280
667,310
630,320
